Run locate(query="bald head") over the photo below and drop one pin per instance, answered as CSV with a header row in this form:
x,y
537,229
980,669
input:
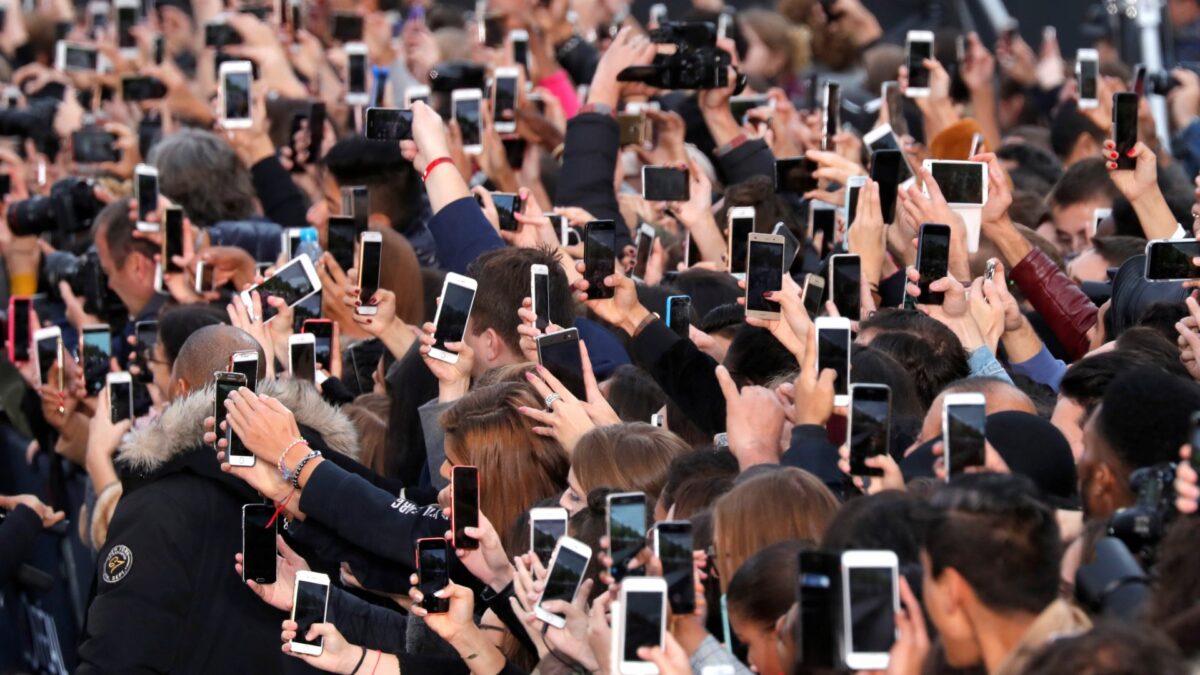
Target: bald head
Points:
x,y
1000,396
209,350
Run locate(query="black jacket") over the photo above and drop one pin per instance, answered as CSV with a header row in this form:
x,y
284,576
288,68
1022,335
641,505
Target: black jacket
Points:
x,y
686,374
590,153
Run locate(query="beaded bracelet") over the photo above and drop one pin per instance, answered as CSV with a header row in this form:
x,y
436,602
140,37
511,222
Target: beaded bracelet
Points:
x,y
283,455
300,467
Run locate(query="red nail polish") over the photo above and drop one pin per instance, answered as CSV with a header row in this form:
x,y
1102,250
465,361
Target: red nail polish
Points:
x,y
368,321
1131,152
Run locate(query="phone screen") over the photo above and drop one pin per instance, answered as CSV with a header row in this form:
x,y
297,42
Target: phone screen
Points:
x,y
824,220
91,146
966,425
814,290
546,533
465,508
225,386
643,622
831,114
258,543
520,51
147,192
47,351
885,170
372,252
303,361
358,73
559,353
1125,128
565,576
237,95
289,283
833,351
347,27
764,274
507,204
872,606
644,243
309,609
81,58
895,105
1089,76
959,183
505,89
739,235
97,355
794,175
1172,260
847,286
665,184
679,315
147,336
389,124
466,113
121,401
817,640
452,315
249,370
126,19
675,552
933,261
19,328
627,531
852,203
322,332
541,300
172,239
341,235
918,51
433,565
599,255
870,410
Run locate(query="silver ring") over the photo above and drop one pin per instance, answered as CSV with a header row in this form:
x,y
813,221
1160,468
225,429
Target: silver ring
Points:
x,y
551,399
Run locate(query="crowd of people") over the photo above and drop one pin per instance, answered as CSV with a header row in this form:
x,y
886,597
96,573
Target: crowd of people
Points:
x,y
370,435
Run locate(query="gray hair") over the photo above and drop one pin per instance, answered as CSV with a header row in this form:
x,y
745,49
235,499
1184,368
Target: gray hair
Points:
x,y
201,173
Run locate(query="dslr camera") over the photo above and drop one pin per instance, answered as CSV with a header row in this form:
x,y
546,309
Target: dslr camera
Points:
x,y
1141,526
697,62
86,279
65,213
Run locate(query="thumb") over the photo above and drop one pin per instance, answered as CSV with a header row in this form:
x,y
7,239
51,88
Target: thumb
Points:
x,y
727,385
320,630
288,554
827,378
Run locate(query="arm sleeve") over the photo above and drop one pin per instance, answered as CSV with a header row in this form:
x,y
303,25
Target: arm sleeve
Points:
x,y
499,604
686,374
589,160
811,450
324,545
281,200
1042,368
435,439
20,528
712,653
742,161
462,234
364,624
559,84
578,57
1186,147
1065,307
983,363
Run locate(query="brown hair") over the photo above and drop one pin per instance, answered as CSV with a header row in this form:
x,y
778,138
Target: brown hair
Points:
x,y
369,414
634,457
779,505
517,468
780,37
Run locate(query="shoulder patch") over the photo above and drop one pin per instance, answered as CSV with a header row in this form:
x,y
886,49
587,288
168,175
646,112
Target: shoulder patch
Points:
x,y
117,564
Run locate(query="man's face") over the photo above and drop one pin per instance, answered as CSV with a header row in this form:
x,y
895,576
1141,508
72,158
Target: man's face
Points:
x,y
130,283
1089,266
954,628
1100,480
1068,417
1071,226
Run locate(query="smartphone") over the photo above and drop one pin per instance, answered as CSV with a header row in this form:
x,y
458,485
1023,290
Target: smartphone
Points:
x,y
159,49
831,114
465,109
92,145
370,262
740,106
120,396
310,602
245,363
96,356
225,384
833,351
458,295
845,284
259,526
389,124
568,563
883,137
814,295
234,81
316,130
737,233
346,27
895,107
870,426
507,204
1087,77
645,242
1098,216
218,33
819,598
75,56
1171,259
822,218
599,256
127,18
976,144
546,526
136,88
632,130
172,238
520,47
559,353
1195,442
433,573
764,274
673,546
147,336
964,431
961,183
679,315
356,74
302,356
933,260
794,175
341,233
643,603
885,170
20,328
658,14
870,600
665,184
626,530
47,348
491,29
504,99
539,294
294,282
464,510
918,47
414,93
854,186
1125,127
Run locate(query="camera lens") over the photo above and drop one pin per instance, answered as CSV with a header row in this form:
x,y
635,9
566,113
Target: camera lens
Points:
x,y
31,217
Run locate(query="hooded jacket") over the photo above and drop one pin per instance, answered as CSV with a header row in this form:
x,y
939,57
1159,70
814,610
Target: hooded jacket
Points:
x,y
167,597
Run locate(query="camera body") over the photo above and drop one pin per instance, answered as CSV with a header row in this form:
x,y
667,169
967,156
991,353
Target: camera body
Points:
x,y
1142,525
697,62
86,279
67,211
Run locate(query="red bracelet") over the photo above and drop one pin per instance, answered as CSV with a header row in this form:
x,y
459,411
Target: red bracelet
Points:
x,y
433,165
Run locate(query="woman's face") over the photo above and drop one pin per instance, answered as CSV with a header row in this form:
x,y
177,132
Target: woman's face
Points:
x,y
759,61
573,498
763,650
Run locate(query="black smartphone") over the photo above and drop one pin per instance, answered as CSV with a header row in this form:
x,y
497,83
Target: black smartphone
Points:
x,y
1125,127
493,30
933,260
964,431
679,315
464,509
814,295
147,336
673,547
895,106
259,526
219,34
142,88
852,192
626,530
433,572
316,130
764,274
1195,441
870,426
831,115
817,643
226,383
19,330
389,124
665,184
92,146
845,284
340,237
559,353
322,330
833,352
1171,260
507,205
172,243
96,357
458,295
347,27
599,257
356,201
822,218
120,398
885,170
794,175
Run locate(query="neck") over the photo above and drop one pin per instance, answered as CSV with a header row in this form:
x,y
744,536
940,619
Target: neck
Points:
x,y
137,303
999,634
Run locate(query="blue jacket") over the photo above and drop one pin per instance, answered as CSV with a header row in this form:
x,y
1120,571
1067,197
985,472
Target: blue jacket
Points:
x,y
261,238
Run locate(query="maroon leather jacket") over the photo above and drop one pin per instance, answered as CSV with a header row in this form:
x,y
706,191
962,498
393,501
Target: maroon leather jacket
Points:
x,y
1066,309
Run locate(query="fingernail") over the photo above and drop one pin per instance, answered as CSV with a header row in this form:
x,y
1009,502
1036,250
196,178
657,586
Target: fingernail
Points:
x,y
529,376
1130,152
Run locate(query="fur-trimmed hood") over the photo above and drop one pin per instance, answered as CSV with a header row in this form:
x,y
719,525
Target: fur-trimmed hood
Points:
x,y
180,427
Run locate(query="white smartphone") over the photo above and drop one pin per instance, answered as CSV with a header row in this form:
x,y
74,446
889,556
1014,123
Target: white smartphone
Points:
x,y
127,18
546,526
520,47
870,600
643,622
964,432
465,109
567,566
245,363
918,47
764,274
356,74
504,99
310,601
458,296
75,56
539,294
961,183
47,347
417,92
370,266
302,356
850,207
291,241
833,351
567,235
1087,77
658,14
200,277
294,282
1098,216
737,237
120,396
145,186
234,82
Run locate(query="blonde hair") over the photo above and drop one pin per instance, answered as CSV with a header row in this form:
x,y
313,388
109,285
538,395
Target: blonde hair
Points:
x,y
781,37
631,457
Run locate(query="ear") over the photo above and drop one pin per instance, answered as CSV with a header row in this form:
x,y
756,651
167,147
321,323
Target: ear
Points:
x,y
493,344
1102,488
